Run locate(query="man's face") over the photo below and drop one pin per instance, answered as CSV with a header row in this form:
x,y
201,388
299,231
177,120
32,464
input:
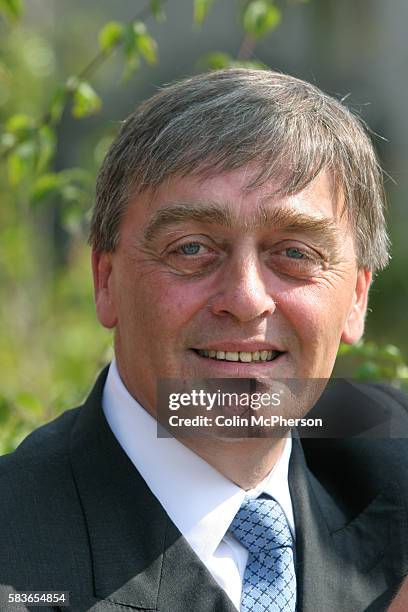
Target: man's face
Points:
x,y
207,265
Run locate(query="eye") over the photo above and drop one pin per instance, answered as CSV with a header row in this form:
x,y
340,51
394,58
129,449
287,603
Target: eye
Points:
x,y
294,261
193,257
190,248
295,253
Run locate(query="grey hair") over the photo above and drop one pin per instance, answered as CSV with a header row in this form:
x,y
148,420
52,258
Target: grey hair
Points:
x,y
223,120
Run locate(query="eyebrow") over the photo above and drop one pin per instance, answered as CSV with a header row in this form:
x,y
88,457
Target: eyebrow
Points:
x,y
183,212
275,217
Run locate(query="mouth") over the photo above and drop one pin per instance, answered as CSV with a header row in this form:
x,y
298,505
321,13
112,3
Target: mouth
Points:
x,y
261,356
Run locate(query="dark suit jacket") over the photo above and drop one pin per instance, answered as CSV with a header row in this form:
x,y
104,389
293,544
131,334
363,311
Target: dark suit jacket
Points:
x,y
76,516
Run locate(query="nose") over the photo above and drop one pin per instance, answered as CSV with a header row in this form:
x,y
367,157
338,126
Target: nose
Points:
x,y
243,294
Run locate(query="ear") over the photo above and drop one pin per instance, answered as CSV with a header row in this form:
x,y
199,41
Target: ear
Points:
x,y
103,288
354,325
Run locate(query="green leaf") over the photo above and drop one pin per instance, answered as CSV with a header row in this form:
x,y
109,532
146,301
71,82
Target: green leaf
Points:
x,y
20,163
138,43
15,168
344,349
20,125
71,84
71,193
46,147
70,185
157,8
7,142
86,101
218,60
32,151
369,371
111,35
11,8
260,17
57,106
147,48
201,8
133,30
5,410
391,353
29,402
45,186
402,373
19,129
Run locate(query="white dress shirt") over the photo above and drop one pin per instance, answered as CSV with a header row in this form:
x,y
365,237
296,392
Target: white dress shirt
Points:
x,y
200,501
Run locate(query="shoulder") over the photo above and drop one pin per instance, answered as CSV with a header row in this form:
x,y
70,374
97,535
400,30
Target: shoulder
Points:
x,y
390,394
40,451
37,506
359,466
37,470
384,450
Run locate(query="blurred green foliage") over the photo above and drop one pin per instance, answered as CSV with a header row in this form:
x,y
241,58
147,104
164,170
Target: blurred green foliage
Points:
x,y
51,344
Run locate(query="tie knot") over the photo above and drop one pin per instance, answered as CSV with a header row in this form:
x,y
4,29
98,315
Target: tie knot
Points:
x,y
261,524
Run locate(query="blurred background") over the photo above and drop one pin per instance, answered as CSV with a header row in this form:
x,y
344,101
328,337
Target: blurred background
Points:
x,y
71,71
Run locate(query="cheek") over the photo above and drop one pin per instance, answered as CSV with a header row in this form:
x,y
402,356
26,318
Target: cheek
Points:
x,y
315,316
160,304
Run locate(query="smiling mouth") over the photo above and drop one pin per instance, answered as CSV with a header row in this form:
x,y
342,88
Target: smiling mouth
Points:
x,y
240,356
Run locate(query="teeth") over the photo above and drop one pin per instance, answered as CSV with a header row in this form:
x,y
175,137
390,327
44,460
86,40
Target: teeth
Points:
x,y
243,356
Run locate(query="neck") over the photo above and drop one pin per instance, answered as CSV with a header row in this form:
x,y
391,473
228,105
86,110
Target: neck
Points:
x,y
246,462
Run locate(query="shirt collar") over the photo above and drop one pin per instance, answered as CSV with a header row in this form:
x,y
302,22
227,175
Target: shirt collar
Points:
x,y
200,501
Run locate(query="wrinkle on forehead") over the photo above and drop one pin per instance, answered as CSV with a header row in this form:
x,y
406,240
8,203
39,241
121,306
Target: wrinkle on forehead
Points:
x,y
326,181
262,218
313,212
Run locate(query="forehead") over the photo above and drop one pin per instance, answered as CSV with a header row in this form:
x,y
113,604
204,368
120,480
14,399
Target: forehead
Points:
x,y
226,199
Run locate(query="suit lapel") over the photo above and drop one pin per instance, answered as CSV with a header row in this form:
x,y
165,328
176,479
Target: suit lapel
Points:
x,y
186,583
343,562
139,557
141,560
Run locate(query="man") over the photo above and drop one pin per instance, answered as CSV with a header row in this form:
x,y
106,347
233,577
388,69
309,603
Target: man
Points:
x,y
237,225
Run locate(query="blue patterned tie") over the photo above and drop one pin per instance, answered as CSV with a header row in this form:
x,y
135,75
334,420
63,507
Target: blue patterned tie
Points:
x,y
269,581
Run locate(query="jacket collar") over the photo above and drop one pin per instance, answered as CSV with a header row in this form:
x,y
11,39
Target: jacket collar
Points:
x,y
342,559
139,557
